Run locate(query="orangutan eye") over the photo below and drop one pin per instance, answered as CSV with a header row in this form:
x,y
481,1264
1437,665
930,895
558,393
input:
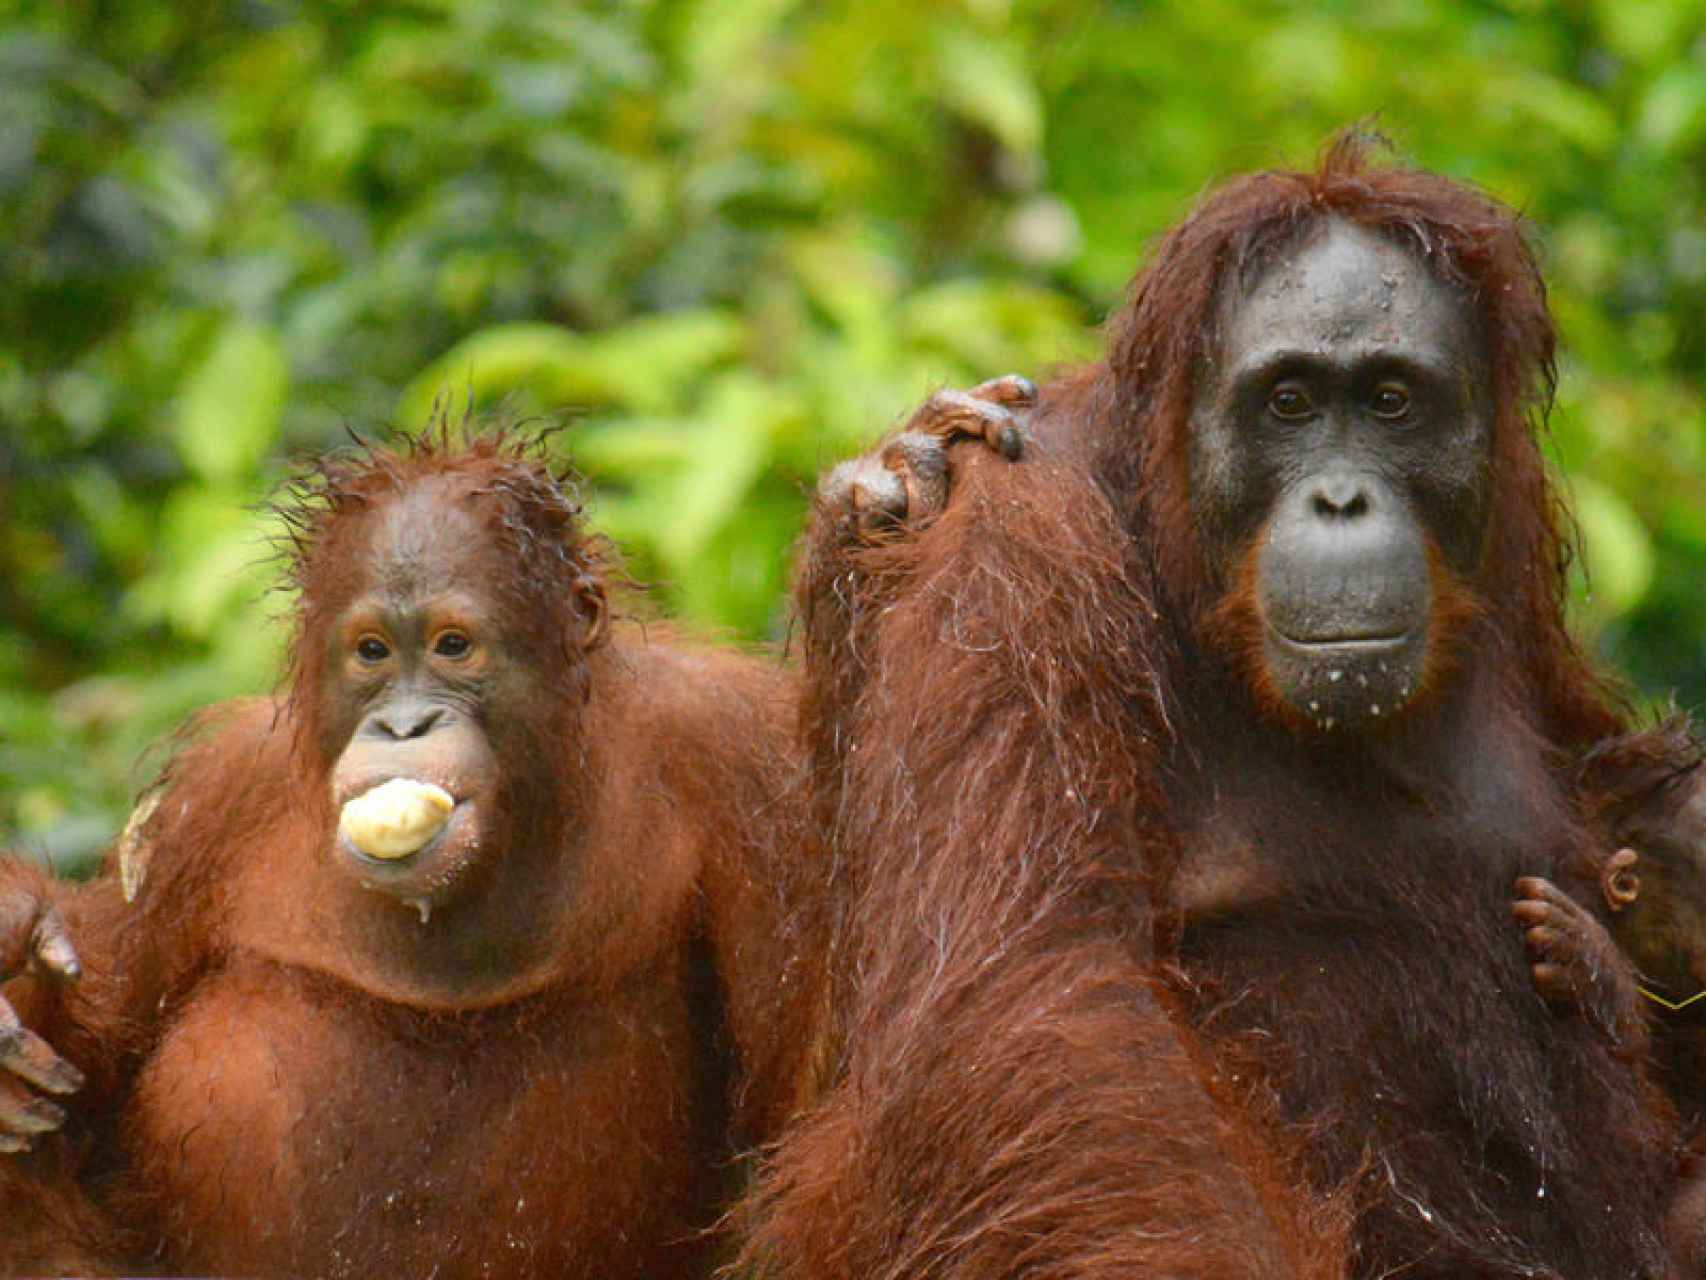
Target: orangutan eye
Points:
x,y
452,644
1390,400
1290,401
371,648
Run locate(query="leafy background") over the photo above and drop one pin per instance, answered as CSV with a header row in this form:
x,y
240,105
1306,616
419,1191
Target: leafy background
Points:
x,y
734,240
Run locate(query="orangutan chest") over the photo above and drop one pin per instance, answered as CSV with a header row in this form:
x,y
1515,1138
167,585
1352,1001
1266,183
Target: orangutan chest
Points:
x,y
284,1133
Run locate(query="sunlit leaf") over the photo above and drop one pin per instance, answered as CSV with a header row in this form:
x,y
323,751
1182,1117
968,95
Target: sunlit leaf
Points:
x,y
980,79
651,360
1617,548
1641,29
495,362
1673,113
212,558
721,38
641,367
992,325
229,412
631,450
1552,103
730,445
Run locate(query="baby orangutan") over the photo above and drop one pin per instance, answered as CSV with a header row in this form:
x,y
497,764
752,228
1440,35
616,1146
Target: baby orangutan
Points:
x,y
1640,976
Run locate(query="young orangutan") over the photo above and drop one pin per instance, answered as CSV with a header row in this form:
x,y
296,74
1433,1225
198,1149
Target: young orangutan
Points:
x,y
1640,975
473,954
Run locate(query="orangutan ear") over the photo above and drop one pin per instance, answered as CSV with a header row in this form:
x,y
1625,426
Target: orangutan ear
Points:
x,y
594,611
1618,881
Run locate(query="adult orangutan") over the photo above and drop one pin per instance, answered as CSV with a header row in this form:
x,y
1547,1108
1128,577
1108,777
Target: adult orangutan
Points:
x,y
1250,680
472,955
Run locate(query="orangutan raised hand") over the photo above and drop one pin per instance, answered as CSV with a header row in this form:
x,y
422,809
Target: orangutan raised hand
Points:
x,y
905,480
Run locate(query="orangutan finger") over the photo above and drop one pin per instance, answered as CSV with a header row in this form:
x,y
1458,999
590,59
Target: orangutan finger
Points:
x,y
1530,911
1549,892
27,1056
1550,979
1013,389
922,465
1536,887
21,1112
949,415
878,497
51,949
1544,940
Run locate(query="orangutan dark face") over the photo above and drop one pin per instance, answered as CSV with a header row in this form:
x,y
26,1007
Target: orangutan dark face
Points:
x,y
1339,470
432,701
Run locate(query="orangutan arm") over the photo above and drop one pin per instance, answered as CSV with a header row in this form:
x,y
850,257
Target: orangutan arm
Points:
x,y
1577,965
1009,1096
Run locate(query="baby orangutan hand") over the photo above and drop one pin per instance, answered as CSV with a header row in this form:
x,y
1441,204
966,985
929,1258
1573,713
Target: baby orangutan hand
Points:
x,y
1575,962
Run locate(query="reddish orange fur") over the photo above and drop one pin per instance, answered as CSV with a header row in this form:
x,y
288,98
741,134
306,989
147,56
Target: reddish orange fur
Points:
x,y
273,1091
1012,1098
1100,921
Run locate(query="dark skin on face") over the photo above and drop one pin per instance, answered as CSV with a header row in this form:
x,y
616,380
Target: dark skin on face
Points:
x,y
429,678
427,682
1338,450
412,660
1339,478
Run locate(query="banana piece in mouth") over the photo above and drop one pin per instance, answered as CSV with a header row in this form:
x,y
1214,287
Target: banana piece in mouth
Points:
x,y
396,818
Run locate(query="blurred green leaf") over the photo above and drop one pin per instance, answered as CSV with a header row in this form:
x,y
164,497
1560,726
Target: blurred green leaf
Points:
x,y
1642,29
721,39
729,450
642,367
1673,114
1552,103
652,360
494,361
981,80
211,559
990,324
228,415
1619,564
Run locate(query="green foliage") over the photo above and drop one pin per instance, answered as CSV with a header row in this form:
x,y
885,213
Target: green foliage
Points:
x,y
727,241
